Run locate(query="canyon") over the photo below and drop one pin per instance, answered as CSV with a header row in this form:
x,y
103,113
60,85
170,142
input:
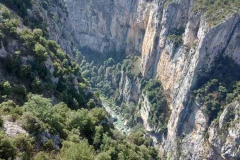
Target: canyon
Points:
x,y
174,43
141,28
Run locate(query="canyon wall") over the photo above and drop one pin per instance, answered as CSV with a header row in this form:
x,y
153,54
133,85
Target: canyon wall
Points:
x,y
142,27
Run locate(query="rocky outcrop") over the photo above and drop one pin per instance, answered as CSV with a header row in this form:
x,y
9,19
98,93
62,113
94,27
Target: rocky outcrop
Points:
x,y
129,88
13,129
224,137
144,112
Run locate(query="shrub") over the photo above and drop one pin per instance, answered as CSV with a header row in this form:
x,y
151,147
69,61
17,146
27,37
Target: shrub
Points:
x,y
5,13
155,94
48,145
91,104
41,52
219,86
31,123
41,156
77,151
25,71
7,148
42,108
6,88
36,86
25,145
20,6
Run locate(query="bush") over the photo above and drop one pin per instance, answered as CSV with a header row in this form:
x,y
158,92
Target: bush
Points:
x,y
77,151
219,86
36,86
91,104
7,148
25,145
155,94
41,156
48,145
31,123
41,52
42,108
20,6
6,88
5,13
25,71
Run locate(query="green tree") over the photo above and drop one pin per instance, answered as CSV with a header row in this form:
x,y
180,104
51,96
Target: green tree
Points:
x,y
41,52
6,88
7,148
36,85
25,71
91,104
103,156
25,145
41,156
77,151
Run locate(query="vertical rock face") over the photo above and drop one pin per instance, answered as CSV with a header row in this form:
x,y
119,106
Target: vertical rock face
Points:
x,y
142,27
109,25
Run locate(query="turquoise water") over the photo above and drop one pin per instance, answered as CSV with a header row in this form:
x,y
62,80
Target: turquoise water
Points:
x,y
119,123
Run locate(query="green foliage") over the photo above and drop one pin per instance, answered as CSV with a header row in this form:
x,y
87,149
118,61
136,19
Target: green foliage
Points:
x,y
77,151
25,71
20,6
41,52
40,116
103,156
6,88
41,156
12,62
48,145
5,13
175,39
25,145
42,108
83,133
217,10
159,112
7,148
32,124
32,62
91,104
175,36
219,86
1,122
36,86
138,138
109,62
9,27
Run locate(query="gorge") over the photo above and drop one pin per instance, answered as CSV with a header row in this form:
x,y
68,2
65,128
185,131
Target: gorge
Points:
x,y
177,44
168,66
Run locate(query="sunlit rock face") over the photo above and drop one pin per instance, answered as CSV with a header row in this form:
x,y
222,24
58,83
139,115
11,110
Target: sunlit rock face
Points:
x,y
107,26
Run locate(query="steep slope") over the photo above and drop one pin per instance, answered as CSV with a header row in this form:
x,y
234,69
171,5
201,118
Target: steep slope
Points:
x,y
47,109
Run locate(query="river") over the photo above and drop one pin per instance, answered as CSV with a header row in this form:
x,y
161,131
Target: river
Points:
x,y
118,120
